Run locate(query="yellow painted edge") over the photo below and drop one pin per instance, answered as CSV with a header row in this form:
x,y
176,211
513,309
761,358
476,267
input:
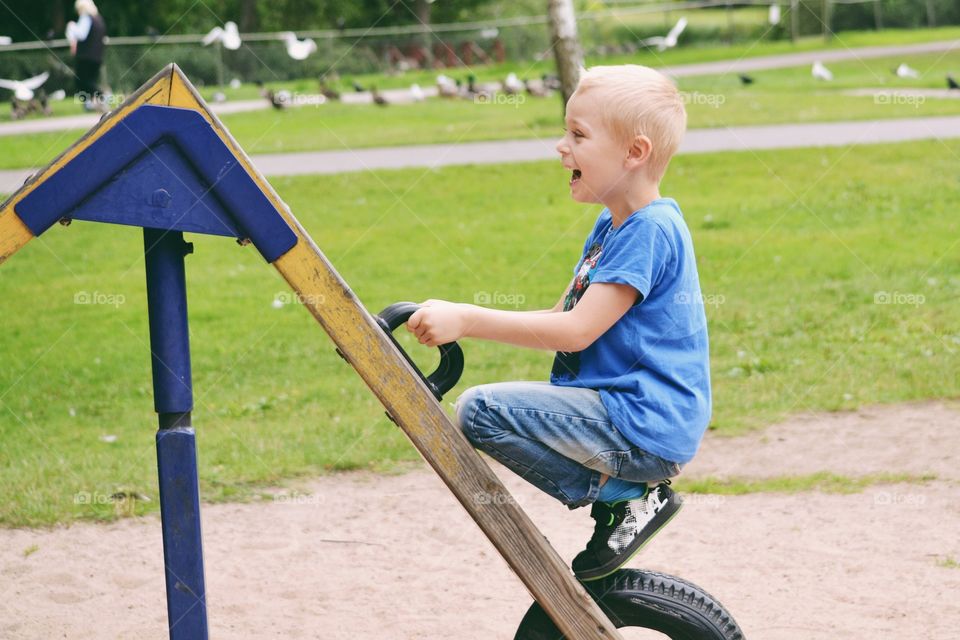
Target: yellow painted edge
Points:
x,y
183,95
13,233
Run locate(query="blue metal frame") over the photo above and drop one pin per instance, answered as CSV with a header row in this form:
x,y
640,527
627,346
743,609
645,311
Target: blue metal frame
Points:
x,y
162,168
164,252
167,170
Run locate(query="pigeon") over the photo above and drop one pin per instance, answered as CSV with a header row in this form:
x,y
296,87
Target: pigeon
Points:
x,y
417,93
551,81
536,88
378,98
670,41
6,40
228,36
512,84
235,83
472,85
904,71
358,87
298,49
327,92
745,79
278,99
952,83
446,87
773,16
820,72
23,89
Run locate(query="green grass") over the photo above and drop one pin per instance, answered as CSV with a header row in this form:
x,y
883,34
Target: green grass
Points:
x,y
779,96
823,481
794,249
684,54
949,562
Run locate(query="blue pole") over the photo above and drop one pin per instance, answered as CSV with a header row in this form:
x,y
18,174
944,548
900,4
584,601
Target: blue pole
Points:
x,y
176,444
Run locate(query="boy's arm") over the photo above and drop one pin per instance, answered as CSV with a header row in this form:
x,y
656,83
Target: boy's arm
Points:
x,y
600,307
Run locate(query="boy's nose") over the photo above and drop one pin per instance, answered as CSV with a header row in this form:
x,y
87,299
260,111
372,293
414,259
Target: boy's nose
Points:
x,y
561,146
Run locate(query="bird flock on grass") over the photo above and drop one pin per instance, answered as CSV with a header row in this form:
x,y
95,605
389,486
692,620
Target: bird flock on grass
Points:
x,y
28,95
468,88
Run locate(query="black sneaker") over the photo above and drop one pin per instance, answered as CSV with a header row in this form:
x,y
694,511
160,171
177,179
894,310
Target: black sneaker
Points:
x,y
622,529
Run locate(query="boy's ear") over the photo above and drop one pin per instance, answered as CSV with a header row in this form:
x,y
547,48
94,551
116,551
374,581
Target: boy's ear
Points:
x,y
638,153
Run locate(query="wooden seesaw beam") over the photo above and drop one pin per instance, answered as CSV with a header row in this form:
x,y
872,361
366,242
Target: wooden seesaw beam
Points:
x,y
383,368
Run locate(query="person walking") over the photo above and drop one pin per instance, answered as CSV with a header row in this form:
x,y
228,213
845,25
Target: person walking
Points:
x,y
87,37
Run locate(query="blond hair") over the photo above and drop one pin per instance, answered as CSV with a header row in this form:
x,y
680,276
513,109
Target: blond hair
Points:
x,y
85,6
638,100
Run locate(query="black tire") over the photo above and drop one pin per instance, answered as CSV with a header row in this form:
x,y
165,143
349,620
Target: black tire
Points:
x,y
634,598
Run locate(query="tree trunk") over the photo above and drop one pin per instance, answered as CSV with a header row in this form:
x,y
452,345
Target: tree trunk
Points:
x,y
58,21
565,45
422,9
794,20
249,18
827,20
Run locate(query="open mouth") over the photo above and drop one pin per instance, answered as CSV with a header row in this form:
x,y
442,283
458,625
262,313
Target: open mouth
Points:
x,y
575,176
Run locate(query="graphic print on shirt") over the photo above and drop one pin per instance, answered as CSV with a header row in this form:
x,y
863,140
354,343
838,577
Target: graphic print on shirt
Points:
x,y
568,363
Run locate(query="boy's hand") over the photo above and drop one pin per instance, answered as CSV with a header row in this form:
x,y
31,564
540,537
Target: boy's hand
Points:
x,y
438,322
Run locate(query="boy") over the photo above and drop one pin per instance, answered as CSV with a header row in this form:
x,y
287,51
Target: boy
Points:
x,y
629,393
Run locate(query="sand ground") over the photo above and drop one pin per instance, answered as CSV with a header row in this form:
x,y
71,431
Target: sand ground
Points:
x,y
359,555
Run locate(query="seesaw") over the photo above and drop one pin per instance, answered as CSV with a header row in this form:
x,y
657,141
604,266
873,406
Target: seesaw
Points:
x,y
162,161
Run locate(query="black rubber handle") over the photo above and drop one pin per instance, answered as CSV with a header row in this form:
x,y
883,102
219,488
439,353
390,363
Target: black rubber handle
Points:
x,y
451,355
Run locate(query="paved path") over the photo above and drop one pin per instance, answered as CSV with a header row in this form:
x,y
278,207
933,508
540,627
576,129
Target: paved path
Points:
x,y
403,95
825,134
87,120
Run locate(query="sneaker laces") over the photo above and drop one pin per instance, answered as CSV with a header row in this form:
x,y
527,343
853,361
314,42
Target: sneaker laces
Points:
x,y
607,517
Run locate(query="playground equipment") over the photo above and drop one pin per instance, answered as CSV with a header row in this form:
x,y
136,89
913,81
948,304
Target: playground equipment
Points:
x,y
162,161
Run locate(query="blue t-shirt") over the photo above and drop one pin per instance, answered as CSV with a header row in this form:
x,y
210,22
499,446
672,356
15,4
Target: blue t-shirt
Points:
x,y
652,367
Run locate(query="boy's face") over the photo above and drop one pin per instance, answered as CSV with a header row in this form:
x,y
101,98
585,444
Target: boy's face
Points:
x,y
589,150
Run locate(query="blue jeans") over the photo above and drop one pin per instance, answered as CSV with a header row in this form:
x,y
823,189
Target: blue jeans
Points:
x,y
558,438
